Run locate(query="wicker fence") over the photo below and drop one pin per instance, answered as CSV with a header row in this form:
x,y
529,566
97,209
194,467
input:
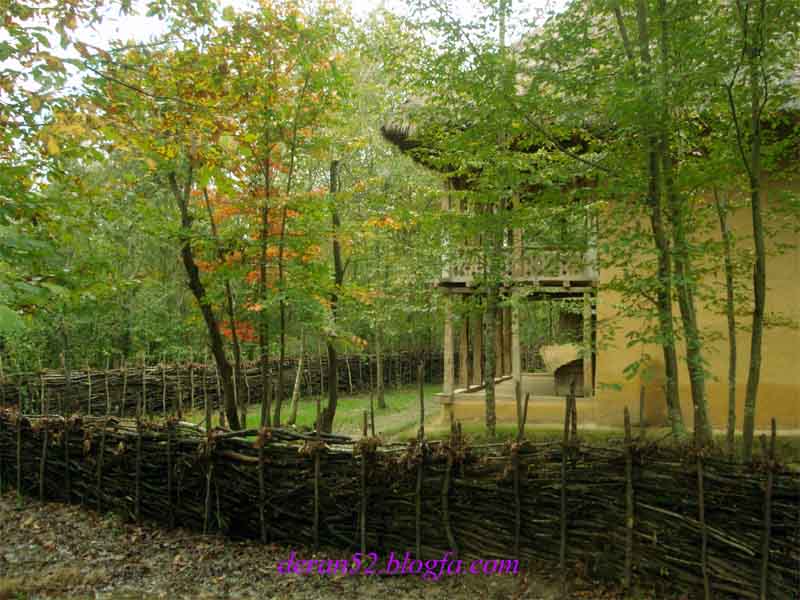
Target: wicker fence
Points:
x,y
630,512
163,387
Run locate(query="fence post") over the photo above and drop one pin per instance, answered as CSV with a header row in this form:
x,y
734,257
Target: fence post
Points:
x,y
67,473
43,460
89,394
170,468
768,514
562,553
363,512
629,503
19,457
454,439
100,459
138,490
701,509
316,478
262,489
420,465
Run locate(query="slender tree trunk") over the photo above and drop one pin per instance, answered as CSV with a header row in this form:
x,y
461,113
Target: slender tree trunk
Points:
x,y
753,36
730,312
379,367
338,278
684,276
237,352
660,240
199,292
263,330
298,380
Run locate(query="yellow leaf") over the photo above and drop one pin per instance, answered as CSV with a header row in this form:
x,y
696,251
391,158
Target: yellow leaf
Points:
x,y
52,146
151,164
36,103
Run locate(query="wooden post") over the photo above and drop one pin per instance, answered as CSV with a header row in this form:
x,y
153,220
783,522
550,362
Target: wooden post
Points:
x,y
67,473
562,554
262,488
124,397
768,515
163,387
507,342
170,469
463,353
19,457
641,409
421,394
449,368
2,458
138,488
420,464
43,461
477,349
144,386
517,499
629,514
701,510
516,350
446,501
363,512
588,372
372,412
102,451
498,343
108,391
316,479
179,397
191,386
89,395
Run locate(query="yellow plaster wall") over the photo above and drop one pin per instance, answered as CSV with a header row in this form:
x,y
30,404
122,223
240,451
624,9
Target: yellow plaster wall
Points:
x,y
779,389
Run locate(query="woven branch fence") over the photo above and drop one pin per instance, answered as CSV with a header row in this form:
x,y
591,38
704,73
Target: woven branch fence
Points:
x,y
633,511
119,391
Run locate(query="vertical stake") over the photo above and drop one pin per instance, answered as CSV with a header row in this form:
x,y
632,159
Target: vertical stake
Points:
x,y
562,554
45,441
768,514
363,515
629,516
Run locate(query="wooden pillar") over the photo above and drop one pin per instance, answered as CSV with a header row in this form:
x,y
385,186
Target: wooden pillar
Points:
x,y
463,353
507,352
516,351
588,371
449,366
477,349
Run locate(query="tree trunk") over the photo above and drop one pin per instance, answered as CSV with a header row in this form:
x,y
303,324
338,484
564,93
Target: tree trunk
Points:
x,y
263,330
684,277
199,292
379,363
664,268
490,331
338,278
753,35
298,380
237,353
730,312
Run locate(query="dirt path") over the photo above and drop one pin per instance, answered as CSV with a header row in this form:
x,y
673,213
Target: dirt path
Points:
x,y
61,551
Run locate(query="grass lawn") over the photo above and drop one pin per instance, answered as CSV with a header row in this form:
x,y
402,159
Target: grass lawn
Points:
x,y
401,412
398,422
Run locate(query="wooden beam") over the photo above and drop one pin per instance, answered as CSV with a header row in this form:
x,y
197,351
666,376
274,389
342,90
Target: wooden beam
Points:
x,y
449,367
463,353
477,349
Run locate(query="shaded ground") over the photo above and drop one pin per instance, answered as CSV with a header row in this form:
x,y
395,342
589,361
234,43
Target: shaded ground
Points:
x,y
61,551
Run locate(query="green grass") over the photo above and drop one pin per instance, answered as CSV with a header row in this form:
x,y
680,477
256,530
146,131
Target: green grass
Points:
x,y
401,411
